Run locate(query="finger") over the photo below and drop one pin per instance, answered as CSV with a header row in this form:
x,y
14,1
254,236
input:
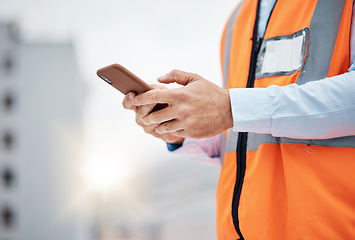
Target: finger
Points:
x,y
144,110
157,86
166,137
158,117
180,77
150,130
128,101
169,127
139,121
170,138
180,133
153,96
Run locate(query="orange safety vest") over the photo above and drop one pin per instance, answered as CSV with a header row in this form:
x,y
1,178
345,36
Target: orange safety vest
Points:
x,y
282,188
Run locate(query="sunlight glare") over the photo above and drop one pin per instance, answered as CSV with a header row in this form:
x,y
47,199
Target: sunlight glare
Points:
x,y
105,172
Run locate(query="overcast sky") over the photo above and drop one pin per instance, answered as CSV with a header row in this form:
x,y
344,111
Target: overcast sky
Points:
x,y
150,38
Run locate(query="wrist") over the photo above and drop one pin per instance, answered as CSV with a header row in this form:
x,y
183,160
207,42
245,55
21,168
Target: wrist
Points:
x,y
229,123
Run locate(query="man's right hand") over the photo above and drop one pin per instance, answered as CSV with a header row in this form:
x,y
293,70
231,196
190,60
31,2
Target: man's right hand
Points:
x,y
144,110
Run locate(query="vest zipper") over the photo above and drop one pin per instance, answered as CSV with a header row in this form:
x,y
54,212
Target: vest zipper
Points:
x,y
243,136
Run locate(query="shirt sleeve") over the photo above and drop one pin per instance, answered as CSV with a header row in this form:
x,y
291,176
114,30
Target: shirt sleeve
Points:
x,y
205,150
316,110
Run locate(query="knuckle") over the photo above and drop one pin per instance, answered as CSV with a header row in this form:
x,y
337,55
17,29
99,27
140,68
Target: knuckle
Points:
x,y
174,73
138,111
138,120
158,129
153,95
147,130
141,111
153,118
189,125
182,112
166,127
181,96
126,104
195,76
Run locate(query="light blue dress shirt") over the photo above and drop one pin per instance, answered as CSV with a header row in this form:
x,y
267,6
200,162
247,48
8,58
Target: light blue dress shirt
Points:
x,y
266,7
316,110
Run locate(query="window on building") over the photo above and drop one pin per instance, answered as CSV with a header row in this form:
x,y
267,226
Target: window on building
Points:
x,y
7,217
7,177
8,101
8,64
8,140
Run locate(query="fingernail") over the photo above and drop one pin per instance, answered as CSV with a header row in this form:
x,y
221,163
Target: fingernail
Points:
x,y
130,96
135,101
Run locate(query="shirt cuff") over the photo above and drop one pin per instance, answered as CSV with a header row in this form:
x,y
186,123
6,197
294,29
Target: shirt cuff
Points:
x,y
250,110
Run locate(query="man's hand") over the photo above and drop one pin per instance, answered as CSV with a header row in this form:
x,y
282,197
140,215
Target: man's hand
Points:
x,y
144,110
200,109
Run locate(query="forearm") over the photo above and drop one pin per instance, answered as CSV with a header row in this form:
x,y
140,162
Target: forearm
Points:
x,y
317,110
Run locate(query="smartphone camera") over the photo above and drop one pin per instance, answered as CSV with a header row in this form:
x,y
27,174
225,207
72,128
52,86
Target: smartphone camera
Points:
x,y
106,79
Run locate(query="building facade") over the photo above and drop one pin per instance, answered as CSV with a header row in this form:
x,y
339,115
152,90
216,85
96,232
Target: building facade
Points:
x,y
40,126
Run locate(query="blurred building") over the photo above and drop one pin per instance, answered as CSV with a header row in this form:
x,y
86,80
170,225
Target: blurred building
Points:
x,y
173,200
40,129
40,116
182,194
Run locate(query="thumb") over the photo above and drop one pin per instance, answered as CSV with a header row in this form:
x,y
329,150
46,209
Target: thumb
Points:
x,y
177,76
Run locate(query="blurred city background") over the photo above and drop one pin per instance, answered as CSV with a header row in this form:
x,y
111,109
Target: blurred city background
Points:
x,y
73,163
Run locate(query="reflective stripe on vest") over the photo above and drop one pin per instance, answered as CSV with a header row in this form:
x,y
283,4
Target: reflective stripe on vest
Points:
x,y
256,139
293,188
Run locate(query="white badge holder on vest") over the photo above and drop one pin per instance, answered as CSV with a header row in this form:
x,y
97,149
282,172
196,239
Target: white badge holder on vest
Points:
x,y
282,55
